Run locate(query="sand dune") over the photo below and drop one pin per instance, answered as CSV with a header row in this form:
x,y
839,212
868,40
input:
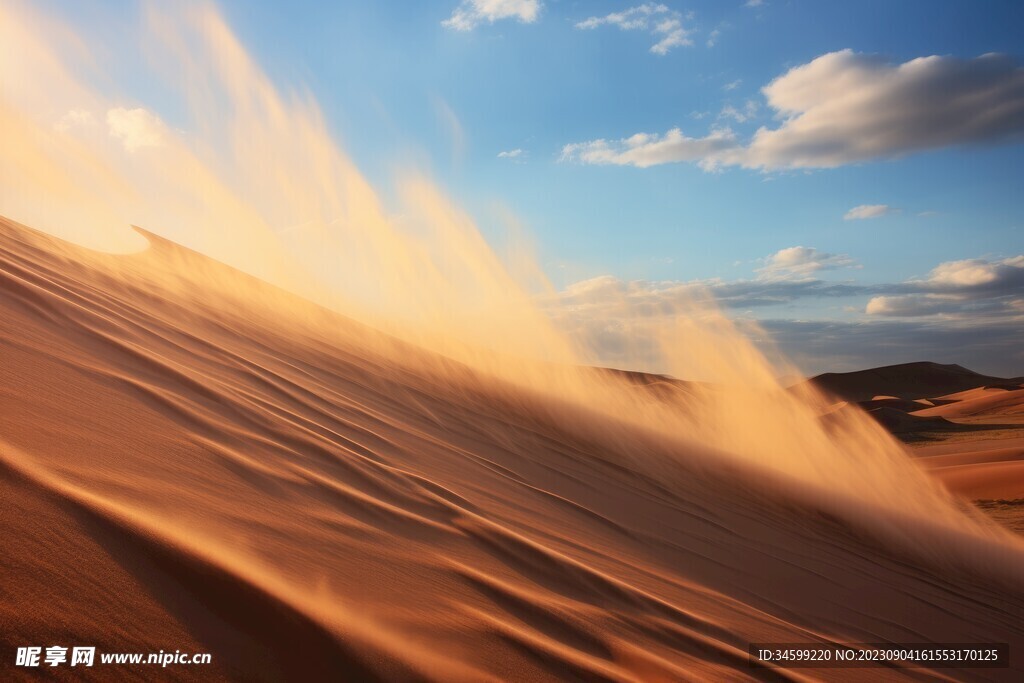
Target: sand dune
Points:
x,y
907,381
899,422
968,463
982,401
975,472
1008,450
183,468
990,480
902,404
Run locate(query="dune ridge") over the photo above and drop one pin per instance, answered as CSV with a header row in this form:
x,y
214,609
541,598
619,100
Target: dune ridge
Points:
x,y
184,470
909,381
970,440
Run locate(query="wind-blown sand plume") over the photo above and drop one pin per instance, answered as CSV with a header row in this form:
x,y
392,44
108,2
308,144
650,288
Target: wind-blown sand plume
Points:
x,y
371,453
257,490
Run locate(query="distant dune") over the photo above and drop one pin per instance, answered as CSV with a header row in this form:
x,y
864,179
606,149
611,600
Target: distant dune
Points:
x,y
906,381
967,428
186,468
980,401
899,422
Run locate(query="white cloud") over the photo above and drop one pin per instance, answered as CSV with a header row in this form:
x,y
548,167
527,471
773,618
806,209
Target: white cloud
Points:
x,y
620,323
511,154
732,85
865,211
644,150
783,278
975,287
968,309
674,36
136,128
753,3
713,37
659,20
798,263
845,107
473,12
977,272
631,19
748,112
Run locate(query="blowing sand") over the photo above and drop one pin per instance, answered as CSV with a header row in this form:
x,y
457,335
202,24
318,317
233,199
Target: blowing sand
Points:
x,y
180,470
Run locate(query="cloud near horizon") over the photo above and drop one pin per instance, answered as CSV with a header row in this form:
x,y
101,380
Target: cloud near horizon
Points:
x,y
965,288
956,300
470,13
990,347
968,285
846,107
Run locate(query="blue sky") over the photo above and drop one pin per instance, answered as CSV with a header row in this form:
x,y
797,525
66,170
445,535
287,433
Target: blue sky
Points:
x,y
386,72
930,150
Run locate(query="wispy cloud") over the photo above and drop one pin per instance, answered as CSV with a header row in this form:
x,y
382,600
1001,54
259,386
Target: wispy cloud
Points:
x,y
665,24
865,211
743,115
634,18
643,150
964,311
471,13
798,263
967,288
665,295
787,275
845,107
511,154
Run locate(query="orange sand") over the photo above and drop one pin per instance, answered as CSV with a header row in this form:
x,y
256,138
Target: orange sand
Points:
x,y
181,470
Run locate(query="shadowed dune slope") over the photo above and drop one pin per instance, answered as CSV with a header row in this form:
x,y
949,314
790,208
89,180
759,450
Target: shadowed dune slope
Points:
x,y
183,468
906,381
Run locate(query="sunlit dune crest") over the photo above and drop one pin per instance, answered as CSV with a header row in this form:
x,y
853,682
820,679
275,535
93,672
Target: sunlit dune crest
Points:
x,y
288,417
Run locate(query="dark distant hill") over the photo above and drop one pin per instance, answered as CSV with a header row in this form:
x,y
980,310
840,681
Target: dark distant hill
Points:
x,y
907,381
